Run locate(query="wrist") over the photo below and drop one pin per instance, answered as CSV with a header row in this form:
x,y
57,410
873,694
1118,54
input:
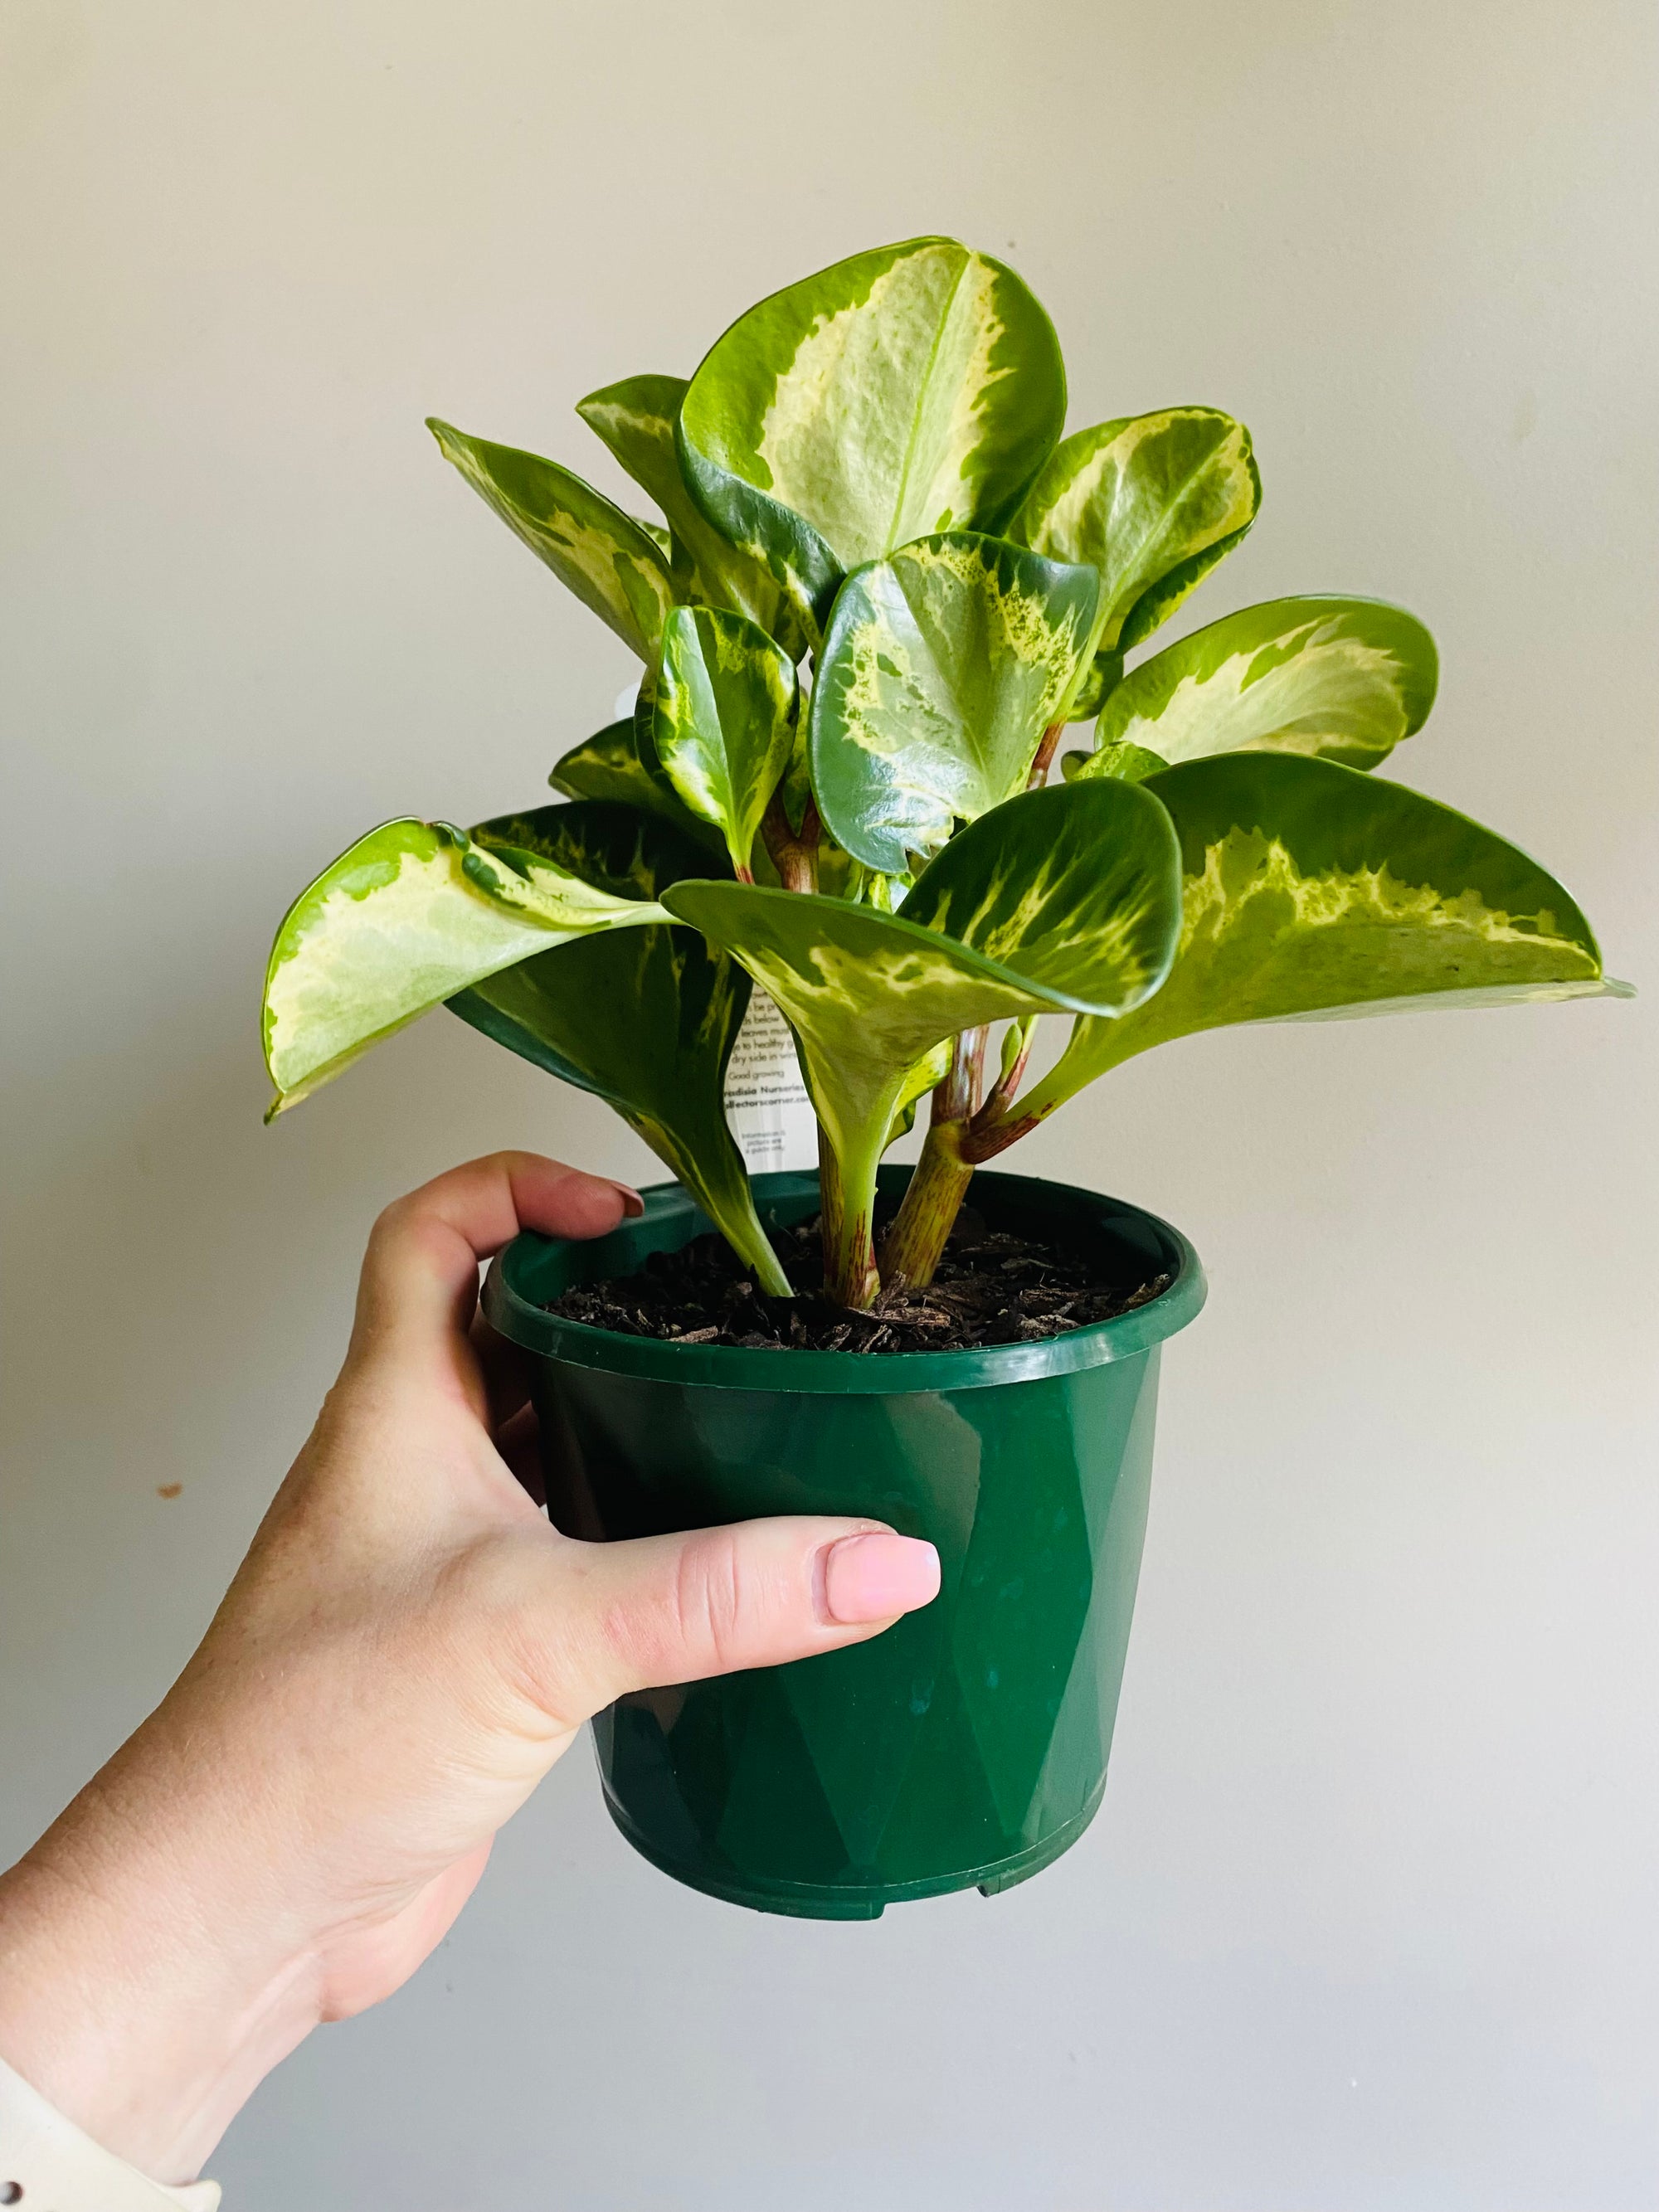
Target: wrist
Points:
x,y
145,1991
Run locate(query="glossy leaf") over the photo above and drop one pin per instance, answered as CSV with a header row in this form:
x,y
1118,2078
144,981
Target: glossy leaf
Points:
x,y
912,390
942,667
636,419
1312,890
1153,501
1061,899
610,562
646,1019
608,766
1123,763
412,912
724,726
1344,679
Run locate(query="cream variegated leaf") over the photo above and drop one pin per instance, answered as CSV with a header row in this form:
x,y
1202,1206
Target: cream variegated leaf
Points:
x,y
906,391
724,725
1079,889
1153,501
1123,763
1062,900
644,1018
611,562
636,418
943,665
412,914
1312,890
612,765
1344,679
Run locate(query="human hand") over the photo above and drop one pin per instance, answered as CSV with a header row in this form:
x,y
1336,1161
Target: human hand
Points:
x,y
406,1650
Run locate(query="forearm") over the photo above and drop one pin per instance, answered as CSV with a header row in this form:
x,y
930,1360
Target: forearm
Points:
x,y
145,1986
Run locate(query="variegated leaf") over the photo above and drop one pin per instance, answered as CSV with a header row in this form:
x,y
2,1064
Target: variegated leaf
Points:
x,y
908,390
1061,900
1077,888
412,914
610,766
1124,763
942,667
727,702
1344,679
610,562
644,1018
636,418
929,1071
1153,501
1311,890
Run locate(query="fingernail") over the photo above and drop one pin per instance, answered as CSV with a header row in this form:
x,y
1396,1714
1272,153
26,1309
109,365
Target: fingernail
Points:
x,y
633,1204
877,1577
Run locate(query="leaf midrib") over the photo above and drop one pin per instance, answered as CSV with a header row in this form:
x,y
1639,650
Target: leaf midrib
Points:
x,y
888,543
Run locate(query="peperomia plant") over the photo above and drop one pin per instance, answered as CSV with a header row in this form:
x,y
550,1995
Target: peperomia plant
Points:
x,y
867,473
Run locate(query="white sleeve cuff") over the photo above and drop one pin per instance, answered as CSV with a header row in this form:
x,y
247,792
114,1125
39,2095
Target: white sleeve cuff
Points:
x,y
47,2164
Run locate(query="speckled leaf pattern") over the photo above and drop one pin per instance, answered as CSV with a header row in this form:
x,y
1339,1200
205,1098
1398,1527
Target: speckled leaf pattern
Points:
x,y
724,725
941,669
905,392
1079,889
1066,899
1310,889
1122,763
610,766
412,912
644,1018
611,562
1154,502
1144,498
1343,679
636,418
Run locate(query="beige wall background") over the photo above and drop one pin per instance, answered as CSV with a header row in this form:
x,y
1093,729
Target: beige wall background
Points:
x,y
1367,1921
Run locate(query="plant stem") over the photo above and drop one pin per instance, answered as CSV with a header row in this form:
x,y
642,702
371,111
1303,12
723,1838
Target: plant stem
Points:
x,y
849,1257
932,1199
795,856
910,1250
1045,757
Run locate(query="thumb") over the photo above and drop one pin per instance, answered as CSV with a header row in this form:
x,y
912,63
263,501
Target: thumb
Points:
x,y
660,1609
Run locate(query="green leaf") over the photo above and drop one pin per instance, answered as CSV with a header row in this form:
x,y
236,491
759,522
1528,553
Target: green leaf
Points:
x,y
646,1019
929,1071
1102,676
1066,899
1344,679
636,418
942,667
1125,763
412,912
1310,890
1154,502
608,766
912,390
1076,888
727,704
610,562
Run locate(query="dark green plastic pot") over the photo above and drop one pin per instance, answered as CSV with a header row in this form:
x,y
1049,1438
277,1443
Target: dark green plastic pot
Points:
x,y
966,1746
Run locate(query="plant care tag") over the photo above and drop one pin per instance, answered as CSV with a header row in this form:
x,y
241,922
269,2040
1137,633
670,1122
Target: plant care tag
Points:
x,y
767,1107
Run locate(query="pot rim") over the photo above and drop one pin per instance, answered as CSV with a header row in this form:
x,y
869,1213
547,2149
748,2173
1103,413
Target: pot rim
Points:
x,y
512,1309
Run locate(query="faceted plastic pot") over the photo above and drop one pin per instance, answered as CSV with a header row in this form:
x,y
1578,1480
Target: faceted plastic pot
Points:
x,y
966,1746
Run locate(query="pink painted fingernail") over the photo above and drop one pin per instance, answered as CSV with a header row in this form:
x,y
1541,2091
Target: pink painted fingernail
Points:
x,y
877,1577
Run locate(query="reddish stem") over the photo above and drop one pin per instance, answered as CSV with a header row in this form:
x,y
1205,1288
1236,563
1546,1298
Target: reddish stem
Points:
x,y
794,854
1045,757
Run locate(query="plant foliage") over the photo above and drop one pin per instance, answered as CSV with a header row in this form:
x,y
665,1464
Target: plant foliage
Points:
x,y
868,470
